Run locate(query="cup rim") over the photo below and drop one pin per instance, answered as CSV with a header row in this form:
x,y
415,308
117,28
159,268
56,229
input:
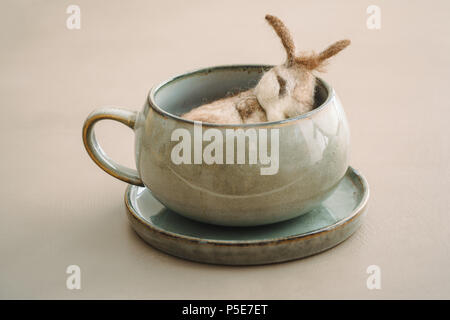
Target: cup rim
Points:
x,y
152,103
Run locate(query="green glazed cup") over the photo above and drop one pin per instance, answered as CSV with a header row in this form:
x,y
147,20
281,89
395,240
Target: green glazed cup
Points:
x,y
309,153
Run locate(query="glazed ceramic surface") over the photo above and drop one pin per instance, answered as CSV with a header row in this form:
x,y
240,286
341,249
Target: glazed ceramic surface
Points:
x,y
312,153
322,228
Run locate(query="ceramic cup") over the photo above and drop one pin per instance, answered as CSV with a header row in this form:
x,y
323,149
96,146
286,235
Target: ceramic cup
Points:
x,y
216,185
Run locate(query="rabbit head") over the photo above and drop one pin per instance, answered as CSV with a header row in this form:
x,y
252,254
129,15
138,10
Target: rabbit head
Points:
x,y
287,90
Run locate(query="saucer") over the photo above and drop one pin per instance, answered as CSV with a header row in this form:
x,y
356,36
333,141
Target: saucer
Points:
x,y
332,222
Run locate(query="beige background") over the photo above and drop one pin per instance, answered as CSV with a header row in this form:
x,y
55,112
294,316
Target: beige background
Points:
x,y
58,208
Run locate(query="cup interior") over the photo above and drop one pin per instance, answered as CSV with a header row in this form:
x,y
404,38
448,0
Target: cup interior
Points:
x,y
183,93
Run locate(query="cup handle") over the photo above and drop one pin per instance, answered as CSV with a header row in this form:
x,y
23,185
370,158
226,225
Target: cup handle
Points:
x,y
97,154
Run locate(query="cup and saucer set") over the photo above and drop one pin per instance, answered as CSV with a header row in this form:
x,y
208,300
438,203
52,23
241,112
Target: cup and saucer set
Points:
x,y
236,194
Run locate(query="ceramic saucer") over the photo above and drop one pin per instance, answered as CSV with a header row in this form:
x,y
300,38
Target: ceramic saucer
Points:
x,y
322,228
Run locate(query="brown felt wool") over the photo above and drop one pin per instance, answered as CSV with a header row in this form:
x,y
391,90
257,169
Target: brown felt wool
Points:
x,y
316,61
285,36
284,91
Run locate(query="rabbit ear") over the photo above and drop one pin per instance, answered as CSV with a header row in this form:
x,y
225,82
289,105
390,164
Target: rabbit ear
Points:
x,y
317,61
332,50
285,37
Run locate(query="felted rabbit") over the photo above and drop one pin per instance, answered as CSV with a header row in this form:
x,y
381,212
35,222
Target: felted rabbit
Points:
x,y
283,92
